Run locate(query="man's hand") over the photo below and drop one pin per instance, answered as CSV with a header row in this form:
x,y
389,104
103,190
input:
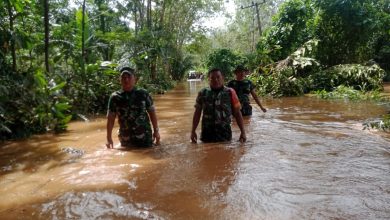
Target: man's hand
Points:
x,y
110,143
110,124
263,109
242,138
194,137
156,137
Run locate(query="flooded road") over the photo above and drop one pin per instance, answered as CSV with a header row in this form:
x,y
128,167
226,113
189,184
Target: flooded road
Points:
x,y
305,158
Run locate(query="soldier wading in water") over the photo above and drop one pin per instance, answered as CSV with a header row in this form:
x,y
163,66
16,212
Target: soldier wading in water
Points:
x,y
134,107
243,88
218,103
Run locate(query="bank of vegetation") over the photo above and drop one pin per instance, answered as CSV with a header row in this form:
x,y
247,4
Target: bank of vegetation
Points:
x,y
335,49
59,59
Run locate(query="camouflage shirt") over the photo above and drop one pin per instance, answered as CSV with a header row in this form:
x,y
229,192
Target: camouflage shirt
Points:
x,y
217,107
131,108
243,88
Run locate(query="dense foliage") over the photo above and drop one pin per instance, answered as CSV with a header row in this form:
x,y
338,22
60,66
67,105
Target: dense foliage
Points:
x,y
60,58
356,76
30,104
293,26
314,45
226,61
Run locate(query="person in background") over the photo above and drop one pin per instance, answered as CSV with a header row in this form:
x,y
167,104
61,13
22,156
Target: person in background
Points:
x,y
243,88
135,110
218,103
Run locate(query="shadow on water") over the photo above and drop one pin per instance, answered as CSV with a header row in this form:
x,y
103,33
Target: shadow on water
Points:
x,y
29,155
305,159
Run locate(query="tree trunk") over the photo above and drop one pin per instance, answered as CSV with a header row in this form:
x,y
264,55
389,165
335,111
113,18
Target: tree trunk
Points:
x,y
136,25
11,28
46,23
102,25
83,56
83,61
140,7
161,22
149,14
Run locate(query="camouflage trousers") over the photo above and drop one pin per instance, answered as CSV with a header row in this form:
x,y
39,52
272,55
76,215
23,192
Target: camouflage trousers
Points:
x,y
246,109
144,140
216,134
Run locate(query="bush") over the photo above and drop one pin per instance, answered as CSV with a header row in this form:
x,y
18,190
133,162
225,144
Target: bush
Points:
x,y
357,76
91,96
279,84
30,104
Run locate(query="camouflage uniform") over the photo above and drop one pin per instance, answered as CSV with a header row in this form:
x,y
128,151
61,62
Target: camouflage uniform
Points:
x,y
217,111
131,108
243,89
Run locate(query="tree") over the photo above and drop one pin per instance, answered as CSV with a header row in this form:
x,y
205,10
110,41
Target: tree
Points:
x,y
226,61
47,30
293,26
348,29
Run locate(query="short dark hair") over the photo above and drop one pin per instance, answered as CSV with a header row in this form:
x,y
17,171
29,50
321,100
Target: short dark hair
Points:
x,y
215,70
240,68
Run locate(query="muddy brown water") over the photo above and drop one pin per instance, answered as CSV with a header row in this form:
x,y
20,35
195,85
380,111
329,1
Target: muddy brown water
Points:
x,y
305,158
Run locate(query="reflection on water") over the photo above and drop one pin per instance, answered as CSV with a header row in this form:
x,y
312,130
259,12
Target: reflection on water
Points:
x,y
305,159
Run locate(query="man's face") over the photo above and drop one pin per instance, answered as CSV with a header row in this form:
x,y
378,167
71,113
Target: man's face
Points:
x,y
127,82
240,75
216,80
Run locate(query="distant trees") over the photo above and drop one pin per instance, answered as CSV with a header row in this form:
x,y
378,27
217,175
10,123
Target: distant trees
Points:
x,y
225,60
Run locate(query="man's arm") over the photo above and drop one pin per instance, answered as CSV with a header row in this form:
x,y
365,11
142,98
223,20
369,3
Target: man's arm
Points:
x,y
236,108
240,122
153,119
195,123
254,95
110,125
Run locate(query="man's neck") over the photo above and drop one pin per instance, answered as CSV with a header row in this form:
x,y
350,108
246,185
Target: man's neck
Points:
x,y
217,89
128,89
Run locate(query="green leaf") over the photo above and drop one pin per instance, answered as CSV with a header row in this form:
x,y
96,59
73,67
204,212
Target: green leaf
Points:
x,y
18,5
40,79
62,106
57,87
67,119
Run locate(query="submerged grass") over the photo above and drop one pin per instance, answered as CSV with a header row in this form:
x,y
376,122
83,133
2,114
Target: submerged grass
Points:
x,y
380,124
349,93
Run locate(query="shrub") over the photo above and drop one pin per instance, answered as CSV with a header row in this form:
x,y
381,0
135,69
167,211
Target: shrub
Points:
x,y
29,104
279,84
351,75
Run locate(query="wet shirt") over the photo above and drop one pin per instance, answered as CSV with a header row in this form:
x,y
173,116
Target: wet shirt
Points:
x,y
217,107
243,88
131,108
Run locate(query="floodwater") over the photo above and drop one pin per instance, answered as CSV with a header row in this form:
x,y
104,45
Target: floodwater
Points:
x,y
305,158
